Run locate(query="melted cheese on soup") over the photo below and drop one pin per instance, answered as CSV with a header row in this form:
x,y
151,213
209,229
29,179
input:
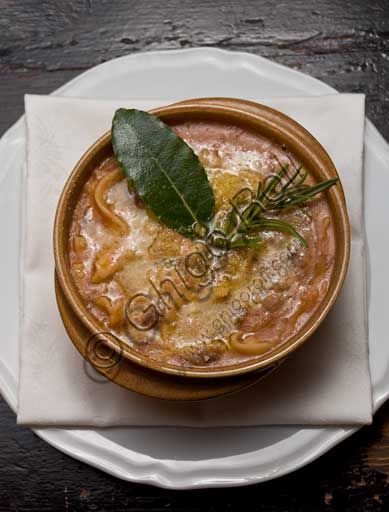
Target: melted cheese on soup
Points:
x,y
175,299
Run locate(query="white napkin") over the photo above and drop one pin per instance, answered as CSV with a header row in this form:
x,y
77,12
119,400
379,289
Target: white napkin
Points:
x,y
326,382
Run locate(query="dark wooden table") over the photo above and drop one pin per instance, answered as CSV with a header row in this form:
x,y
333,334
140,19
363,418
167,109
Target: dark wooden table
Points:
x,y
45,43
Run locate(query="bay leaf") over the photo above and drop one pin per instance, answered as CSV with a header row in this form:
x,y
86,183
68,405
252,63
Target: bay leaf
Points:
x,y
164,170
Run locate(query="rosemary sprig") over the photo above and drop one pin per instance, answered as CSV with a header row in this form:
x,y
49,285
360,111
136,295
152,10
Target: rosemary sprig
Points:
x,y
281,191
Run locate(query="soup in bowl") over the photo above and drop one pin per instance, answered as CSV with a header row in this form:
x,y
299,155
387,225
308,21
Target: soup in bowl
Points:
x,y
215,303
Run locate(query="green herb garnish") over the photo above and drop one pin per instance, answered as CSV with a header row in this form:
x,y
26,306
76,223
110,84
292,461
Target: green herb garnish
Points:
x,y
170,179
164,170
281,191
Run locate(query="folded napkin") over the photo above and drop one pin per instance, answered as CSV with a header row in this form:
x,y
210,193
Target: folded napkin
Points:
x,y
326,382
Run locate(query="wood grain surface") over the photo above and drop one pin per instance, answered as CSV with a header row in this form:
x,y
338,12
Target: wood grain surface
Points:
x,y
45,43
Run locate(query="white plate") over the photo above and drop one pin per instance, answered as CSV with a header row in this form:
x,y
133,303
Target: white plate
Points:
x,y
177,457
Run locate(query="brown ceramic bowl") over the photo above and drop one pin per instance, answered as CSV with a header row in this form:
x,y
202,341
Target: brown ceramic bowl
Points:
x,y
246,115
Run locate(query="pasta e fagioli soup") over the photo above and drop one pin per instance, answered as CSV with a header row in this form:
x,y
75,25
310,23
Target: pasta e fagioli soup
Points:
x,y
209,300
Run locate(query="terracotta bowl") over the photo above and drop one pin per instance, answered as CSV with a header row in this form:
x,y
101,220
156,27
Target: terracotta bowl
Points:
x,y
248,116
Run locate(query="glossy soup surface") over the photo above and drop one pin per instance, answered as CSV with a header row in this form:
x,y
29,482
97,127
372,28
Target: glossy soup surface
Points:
x,y
175,300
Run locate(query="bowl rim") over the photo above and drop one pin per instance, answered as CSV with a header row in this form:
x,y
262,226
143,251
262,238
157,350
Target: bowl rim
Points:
x,y
284,129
